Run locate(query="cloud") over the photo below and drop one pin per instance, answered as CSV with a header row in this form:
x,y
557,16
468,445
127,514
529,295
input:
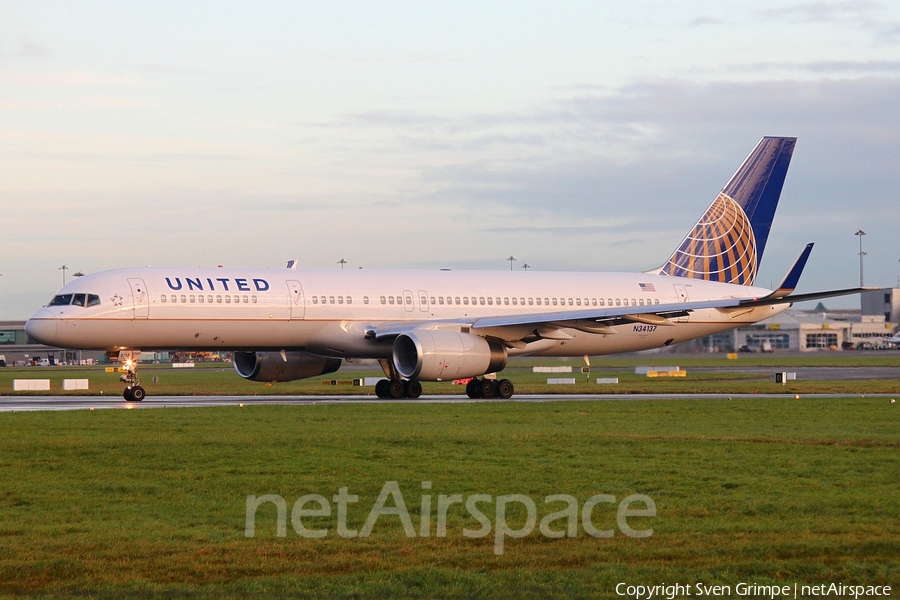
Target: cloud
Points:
x,y
861,14
29,49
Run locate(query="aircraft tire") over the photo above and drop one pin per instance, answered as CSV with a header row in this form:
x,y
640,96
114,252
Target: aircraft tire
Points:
x,y
488,388
472,389
127,394
413,388
396,389
381,388
505,389
138,393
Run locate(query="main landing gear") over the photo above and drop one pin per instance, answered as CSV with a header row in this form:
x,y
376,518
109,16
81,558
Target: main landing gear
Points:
x,y
398,388
489,388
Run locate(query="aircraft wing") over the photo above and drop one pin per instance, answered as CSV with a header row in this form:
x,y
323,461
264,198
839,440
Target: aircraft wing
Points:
x,y
593,320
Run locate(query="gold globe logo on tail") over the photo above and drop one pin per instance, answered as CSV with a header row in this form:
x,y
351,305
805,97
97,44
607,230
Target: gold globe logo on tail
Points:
x,y
720,247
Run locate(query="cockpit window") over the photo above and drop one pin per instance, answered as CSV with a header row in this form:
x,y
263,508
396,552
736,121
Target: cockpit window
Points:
x,y
75,300
61,300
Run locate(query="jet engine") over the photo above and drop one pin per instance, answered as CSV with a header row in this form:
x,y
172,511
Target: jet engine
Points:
x,y
271,366
444,355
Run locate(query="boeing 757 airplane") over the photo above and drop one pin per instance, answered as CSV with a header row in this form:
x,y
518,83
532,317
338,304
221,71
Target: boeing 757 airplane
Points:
x,y
287,324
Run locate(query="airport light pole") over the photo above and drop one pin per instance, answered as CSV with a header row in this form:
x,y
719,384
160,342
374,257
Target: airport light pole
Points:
x,y
63,268
526,266
342,262
860,233
511,259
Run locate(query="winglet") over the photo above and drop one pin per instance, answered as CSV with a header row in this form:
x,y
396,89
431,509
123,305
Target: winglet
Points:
x,y
793,277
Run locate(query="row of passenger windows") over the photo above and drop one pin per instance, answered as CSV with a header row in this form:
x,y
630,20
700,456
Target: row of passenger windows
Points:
x,y
399,300
208,299
491,301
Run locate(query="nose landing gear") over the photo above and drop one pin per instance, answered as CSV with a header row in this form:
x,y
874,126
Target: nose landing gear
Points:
x,y
133,391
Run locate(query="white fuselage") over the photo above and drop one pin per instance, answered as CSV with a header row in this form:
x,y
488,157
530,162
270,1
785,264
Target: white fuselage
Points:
x,y
329,312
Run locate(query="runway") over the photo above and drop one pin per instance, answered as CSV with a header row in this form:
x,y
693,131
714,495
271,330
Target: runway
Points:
x,y
51,403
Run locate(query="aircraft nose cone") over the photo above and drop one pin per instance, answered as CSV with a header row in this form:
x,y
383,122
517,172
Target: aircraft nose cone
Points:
x,y
41,327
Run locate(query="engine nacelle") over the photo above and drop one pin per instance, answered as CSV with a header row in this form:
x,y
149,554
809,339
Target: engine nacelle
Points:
x,y
445,355
270,366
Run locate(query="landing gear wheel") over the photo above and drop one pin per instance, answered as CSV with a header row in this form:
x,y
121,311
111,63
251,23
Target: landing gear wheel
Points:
x,y
396,389
138,393
472,390
413,389
505,389
127,394
487,388
381,388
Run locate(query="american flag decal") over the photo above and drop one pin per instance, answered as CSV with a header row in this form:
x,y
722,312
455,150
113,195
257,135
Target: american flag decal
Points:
x,y
647,287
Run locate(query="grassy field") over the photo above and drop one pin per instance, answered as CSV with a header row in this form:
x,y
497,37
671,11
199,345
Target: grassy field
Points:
x,y
153,503
220,378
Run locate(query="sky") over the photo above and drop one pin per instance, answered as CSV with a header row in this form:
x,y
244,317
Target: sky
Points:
x,y
583,136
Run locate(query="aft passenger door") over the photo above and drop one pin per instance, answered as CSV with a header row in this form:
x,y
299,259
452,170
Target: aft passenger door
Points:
x,y
423,300
140,297
682,295
298,306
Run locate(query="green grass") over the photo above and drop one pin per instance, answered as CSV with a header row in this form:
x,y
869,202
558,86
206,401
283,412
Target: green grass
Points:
x,y
152,502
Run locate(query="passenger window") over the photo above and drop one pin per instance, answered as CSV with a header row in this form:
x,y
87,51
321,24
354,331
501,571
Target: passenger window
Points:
x,y
227,299
546,302
602,303
641,302
530,301
570,302
330,299
433,300
538,301
200,299
618,302
315,299
209,298
440,299
522,301
246,299
578,301
466,300
349,300
456,300
506,301
554,302
218,299
365,299
593,302
183,299
514,302
390,299
162,298
253,299
192,298
409,299
610,301
481,301
633,302
340,299
383,300
490,301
